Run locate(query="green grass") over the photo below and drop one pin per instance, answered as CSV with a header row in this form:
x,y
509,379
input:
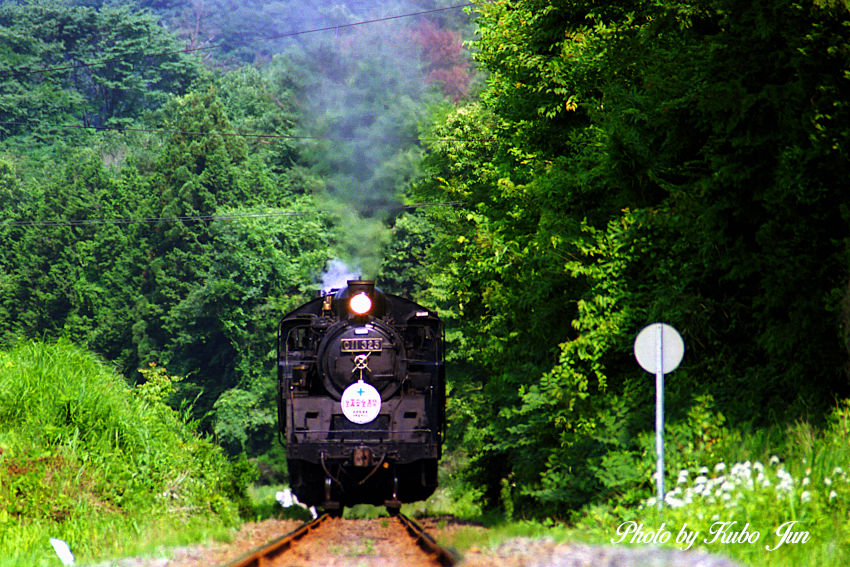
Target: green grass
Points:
x,y
763,481
109,469
800,485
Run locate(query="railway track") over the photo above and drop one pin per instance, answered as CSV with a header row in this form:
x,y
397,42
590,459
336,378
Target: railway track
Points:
x,y
334,541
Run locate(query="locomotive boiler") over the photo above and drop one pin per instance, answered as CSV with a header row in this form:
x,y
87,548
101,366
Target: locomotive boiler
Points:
x,y
361,398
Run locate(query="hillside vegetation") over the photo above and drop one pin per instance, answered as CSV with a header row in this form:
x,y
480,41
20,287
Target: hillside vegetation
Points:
x,y
632,163
100,465
595,166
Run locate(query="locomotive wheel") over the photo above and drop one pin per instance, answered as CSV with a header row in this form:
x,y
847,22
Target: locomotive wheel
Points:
x,y
333,509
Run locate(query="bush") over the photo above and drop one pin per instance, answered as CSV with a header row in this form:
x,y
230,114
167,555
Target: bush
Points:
x,y
82,454
799,482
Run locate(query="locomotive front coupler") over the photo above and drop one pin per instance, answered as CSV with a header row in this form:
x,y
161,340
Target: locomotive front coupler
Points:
x,y
362,457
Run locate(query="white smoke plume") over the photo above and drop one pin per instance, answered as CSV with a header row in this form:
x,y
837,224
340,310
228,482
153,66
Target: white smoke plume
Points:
x,y
338,274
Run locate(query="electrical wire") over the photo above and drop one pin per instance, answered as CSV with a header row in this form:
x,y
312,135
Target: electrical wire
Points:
x,y
337,27
244,134
205,218
222,217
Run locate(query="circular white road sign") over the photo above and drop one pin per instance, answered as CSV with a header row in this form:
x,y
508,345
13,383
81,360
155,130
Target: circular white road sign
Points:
x,y
647,345
361,402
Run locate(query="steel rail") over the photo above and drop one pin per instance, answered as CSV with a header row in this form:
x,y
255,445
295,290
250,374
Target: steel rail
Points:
x,y
440,554
263,555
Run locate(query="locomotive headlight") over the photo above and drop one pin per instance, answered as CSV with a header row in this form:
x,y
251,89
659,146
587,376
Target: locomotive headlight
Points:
x,y
360,303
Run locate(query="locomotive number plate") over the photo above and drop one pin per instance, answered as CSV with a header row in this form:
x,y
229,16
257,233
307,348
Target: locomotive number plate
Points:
x,y
361,345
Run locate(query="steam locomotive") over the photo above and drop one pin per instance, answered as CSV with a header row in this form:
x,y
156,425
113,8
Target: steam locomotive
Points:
x,y
361,398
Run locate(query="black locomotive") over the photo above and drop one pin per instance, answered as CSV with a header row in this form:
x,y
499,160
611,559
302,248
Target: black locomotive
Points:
x,y
361,398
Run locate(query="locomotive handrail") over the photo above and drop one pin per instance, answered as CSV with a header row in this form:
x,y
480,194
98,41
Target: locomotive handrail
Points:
x,y
353,431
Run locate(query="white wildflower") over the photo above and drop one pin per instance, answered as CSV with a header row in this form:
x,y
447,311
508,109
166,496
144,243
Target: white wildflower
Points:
x,y
805,496
832,494
741,470
673,502
774,460
827,481
786,481
719,467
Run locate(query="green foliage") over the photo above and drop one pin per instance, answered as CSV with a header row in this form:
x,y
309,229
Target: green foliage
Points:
x,y
804,480
58,276
761,480
703,437
239,414
157,385
403,269
657,161
94,67
201,296
81,452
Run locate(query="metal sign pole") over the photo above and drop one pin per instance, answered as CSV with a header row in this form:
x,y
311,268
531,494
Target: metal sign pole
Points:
x,y
659,358
659,414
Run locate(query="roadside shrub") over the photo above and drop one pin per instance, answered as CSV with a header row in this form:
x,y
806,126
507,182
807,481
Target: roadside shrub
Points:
x,y
78,446
799,489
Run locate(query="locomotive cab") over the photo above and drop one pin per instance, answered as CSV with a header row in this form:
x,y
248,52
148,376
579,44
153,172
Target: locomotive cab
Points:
x,y
361,398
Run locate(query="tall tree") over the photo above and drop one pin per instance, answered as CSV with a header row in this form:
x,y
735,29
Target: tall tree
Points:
x,y
650,161
86,66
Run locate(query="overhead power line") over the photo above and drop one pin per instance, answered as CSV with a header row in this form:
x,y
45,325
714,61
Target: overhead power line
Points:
x,y
205,218
336,27
242,134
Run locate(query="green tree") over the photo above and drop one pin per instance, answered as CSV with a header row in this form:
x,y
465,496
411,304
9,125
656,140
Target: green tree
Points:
x,y
188,258
403,268
59,259
82,65
648,161
211,289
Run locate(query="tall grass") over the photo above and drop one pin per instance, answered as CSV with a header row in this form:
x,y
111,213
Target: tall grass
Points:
x,y
793,479
89,460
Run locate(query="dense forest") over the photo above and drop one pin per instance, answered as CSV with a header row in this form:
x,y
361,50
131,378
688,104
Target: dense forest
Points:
x,y
175,175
